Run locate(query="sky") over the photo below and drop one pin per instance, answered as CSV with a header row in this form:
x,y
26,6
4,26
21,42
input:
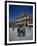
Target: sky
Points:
x,y
15,10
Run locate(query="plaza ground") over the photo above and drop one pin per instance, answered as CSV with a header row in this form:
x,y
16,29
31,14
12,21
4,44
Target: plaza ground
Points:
x,y
13,35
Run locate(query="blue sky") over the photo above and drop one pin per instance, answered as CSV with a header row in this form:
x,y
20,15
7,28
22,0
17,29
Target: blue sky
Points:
x,y
15,10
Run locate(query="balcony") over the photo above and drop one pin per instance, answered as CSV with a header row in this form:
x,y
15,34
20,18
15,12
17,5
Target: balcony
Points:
x,y
20,19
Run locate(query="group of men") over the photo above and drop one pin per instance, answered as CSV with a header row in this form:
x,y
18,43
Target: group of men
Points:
x,y
21,30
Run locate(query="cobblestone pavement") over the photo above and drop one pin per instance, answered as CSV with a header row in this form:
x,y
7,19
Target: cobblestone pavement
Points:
x,y
14,37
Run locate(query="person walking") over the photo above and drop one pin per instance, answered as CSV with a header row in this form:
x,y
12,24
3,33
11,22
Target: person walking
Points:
x,y
24,30
18,30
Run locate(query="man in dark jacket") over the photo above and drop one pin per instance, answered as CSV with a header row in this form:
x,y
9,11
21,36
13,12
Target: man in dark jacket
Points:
x,y
24,30
18,30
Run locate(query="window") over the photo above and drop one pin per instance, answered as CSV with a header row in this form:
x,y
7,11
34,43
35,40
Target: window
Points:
x,y
24,17
27,22
27,17
30,17
30,22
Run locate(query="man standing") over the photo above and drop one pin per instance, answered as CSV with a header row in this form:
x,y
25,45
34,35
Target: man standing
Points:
x,y
18,30
24,30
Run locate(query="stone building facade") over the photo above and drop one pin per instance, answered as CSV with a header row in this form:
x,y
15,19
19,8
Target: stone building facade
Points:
x,y
24,19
